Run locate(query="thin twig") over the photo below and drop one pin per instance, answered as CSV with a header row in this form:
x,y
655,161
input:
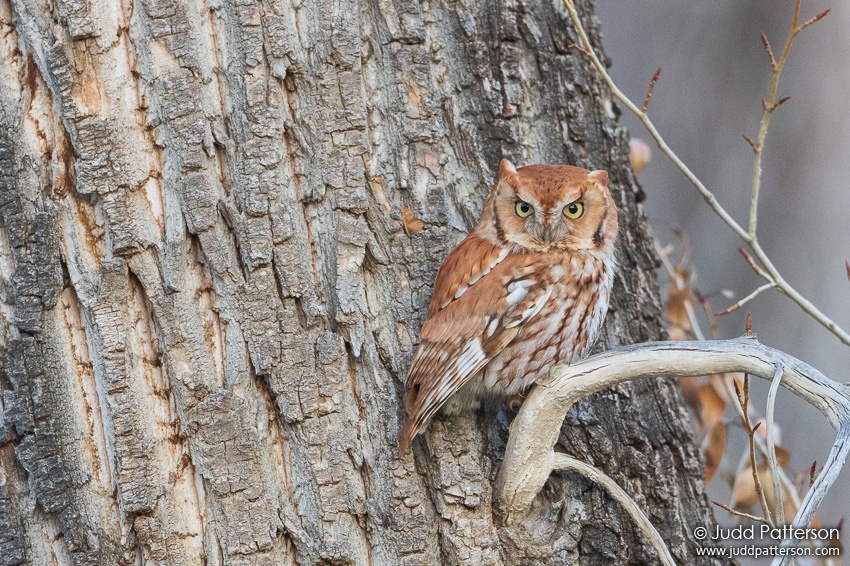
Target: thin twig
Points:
x,y
564,462
709,314
752,263
744,400
787,482
815,19
772,104
778,511
649,90
772,274
769,50
680,284
740,513
579,48
747,299
600,67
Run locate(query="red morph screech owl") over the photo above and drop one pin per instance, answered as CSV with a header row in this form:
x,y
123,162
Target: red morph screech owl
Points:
x,y
527,289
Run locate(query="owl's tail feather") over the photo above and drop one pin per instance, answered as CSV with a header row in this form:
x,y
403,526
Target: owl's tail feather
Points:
x,y
408,433
414,422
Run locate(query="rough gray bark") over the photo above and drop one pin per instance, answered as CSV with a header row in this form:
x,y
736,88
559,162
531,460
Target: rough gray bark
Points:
x,y
209,301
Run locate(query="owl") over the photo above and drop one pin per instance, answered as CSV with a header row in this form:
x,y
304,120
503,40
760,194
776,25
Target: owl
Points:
x,y
527,289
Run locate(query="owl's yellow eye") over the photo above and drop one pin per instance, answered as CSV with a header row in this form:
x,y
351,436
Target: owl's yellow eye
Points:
x,y
523,209
574,210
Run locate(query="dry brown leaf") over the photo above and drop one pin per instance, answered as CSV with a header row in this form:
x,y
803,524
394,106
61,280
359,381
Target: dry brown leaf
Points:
x,y
783,457
690,392
680,297
411,224
744,495
676,311
714,450
712,404
758,427
745,498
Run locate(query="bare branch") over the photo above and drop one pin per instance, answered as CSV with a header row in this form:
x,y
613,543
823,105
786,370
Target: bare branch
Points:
x,y
771,273
819,489
778,511
813,20
709,314
534,431
564,462
744,400
768,106
730,383
771,104
747,299
740,513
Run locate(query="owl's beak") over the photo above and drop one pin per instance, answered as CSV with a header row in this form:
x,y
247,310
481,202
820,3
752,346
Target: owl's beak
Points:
x,y
548,233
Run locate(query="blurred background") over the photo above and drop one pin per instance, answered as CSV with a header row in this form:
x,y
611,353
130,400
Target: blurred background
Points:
x,y
715,73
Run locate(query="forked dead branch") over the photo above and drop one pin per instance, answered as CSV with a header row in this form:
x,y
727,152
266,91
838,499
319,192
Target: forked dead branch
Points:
x,y
530,458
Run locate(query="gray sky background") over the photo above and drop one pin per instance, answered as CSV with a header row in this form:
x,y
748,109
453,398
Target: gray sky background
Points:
x,y
715,73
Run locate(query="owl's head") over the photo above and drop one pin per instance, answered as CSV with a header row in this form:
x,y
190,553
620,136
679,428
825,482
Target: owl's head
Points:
x,y
546,207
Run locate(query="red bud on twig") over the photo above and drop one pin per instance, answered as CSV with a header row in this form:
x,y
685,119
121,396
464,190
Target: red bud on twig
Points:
x,y
652,82
731,309
767,48
816,19
656,75
781,101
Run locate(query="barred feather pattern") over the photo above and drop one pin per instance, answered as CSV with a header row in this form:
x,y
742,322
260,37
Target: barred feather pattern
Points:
x,y
517,296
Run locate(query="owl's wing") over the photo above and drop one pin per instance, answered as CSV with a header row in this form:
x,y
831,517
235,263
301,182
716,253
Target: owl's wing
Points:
x,y
472,318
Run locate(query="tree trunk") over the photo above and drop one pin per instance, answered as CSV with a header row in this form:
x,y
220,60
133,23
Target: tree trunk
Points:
x,y
210,296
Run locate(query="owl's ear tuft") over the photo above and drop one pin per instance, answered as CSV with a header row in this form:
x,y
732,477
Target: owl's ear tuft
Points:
x,y
507,172
600,177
